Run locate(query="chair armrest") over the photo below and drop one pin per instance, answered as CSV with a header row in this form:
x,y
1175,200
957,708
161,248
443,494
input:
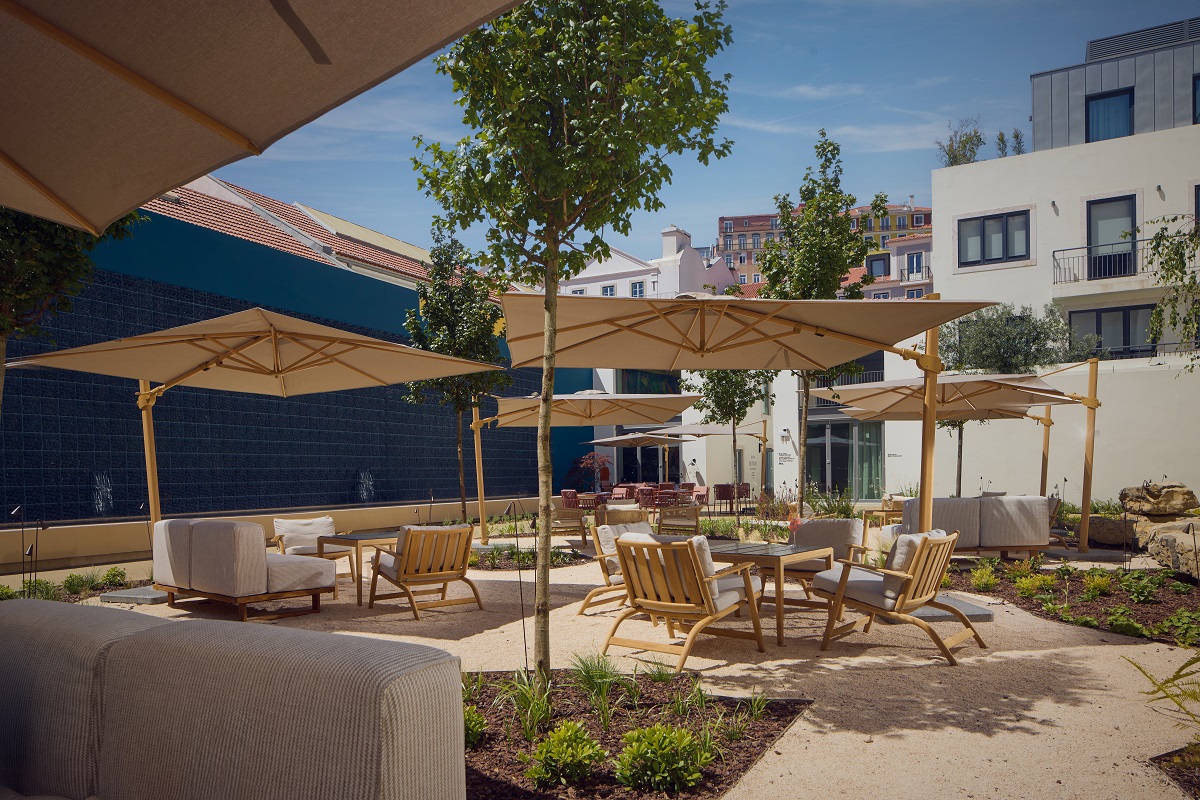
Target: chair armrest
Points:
x,y
721,573
869,568
380,549
278,540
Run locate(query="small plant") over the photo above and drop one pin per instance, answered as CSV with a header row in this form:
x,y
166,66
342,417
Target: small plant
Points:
x,y
1121,621
1142,587
1179,587
1065,571
40,589
472,685
566,756
1023,569
531,703
1083,619
473,559
983,578
115,577
1183,626
1107,508
663,758
1032,585
8,593
524,558
493,558
1095,585
82,582
598,678
474,726
947,580
1181,690
736,727
757,705
834,504
659,671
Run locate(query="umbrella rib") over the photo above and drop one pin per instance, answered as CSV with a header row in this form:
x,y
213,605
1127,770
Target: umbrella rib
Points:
x,y
119,70
744,326
46,192
216,361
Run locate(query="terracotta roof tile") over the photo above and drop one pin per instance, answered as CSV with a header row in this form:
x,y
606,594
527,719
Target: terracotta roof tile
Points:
x,y
856,275
197,208
751,289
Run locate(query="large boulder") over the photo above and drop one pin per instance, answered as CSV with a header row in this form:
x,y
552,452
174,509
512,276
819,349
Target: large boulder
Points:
x,y
1159,499
1173,545
1110,532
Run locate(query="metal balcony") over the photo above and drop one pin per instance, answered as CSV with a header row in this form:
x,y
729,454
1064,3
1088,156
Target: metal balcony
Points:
x,y
1102,262
846,380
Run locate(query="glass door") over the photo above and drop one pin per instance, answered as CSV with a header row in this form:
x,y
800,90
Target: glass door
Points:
x,y
1110,238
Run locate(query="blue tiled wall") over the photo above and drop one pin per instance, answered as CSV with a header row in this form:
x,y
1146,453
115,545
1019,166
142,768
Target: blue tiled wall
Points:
x,y
71,445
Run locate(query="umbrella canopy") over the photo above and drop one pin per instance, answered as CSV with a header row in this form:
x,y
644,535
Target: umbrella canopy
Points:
x,y
707,332
709,429
253,351
594,408
108,108
955,394
259,352
641,440
943,415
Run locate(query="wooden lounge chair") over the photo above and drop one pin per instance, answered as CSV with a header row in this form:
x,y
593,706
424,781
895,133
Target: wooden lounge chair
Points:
x,y
679,520
911,579
843,535
604,539
568,520
426,560
678,582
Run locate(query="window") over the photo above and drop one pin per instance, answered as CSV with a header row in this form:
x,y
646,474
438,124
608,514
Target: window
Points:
x,y
1110,115
913,264
774,224
645,381
854,223
914,294
877,266
755,241
992,240
608,291
729,260
728,226
902,222
870,240
578,291
881,296
742,279
918,220
1196,99
728,242
885,224
770,236
637,289
1110,242
741,258
1122,332
741,241
757,277
745,223
870,223
883,240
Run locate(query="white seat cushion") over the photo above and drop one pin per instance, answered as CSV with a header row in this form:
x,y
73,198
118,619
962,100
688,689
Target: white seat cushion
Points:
x,y
294,573
816,565
311,549
863,585
608,535
303,532
732,589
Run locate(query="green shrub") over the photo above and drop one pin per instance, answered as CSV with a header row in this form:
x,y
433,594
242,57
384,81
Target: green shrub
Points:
x,y
472,685
983,578
1179,691
1032,585
8,593
1096,584
663,758
40,589
1083,619
1065,571
474,726
81,582
567,755
1142,587
531,703
1183,626
659,671
757,705
947,580
1023,569
1121,621
835,504
115,577
1179,587
1107,508
599,679
735,727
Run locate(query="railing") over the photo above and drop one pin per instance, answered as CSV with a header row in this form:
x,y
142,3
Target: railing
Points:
x,y
846,380
1144,350
1098,262
923,274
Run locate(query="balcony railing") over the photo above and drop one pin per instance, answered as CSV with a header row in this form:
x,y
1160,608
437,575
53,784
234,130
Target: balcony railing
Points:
x,y
846,380
1099,262
922,274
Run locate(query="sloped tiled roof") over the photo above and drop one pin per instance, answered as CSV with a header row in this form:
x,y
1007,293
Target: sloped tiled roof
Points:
x,y
856,274
752,289
197,208
342,246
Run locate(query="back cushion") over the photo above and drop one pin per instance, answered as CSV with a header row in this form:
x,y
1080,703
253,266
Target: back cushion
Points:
x,y
228,557
836,533
608,535
303,532
1007,521
172,547
638,527
52,666
900,559
949,514
707,566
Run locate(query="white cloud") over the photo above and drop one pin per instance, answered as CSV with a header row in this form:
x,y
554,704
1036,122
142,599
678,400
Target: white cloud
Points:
x,y
808,91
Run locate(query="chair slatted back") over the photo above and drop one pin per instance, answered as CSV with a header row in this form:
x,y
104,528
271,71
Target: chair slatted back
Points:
x,y
645,496
680,519
928,566
664,577
429,553
570,498
723,492
621,515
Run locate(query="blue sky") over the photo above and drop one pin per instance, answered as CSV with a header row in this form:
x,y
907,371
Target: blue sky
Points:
x,y
883,77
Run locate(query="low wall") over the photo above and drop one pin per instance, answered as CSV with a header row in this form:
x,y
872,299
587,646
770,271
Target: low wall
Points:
x,y
74,545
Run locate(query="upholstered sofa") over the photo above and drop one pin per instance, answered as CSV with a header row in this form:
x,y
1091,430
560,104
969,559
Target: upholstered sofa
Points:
x,y
984,523
106,704
227,560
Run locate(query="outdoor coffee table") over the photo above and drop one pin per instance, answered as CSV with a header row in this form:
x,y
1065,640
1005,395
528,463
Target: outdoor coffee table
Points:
x,y
886,516
765,556
358,541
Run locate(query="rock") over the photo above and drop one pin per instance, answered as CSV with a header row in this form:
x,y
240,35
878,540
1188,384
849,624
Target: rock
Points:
x,y
1159,498
1144,527
1111,532
1173,546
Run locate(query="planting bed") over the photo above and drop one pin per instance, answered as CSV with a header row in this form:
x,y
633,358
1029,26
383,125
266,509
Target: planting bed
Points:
x,y
506,558
496,767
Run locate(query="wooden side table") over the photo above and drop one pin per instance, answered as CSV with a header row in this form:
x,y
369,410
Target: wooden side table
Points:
x,y
358,541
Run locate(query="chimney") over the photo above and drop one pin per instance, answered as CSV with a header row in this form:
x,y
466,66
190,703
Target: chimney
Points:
x,y
674,240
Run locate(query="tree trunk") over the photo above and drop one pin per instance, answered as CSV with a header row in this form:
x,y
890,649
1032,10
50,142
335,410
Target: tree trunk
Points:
x,y
958,472
462,475
737,503
3,350
541,592
802,456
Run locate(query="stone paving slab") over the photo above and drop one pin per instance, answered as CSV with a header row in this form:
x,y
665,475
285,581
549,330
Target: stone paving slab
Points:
x,y
974,612
140,596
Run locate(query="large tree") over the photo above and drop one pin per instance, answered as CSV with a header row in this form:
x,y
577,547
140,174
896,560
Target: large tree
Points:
x,y
814,250
43,265
1006,340
457,316
575,107
725,397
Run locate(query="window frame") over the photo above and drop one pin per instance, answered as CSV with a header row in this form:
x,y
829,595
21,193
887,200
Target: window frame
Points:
x,y
914,294
918,220
908,262
741,241
885,223
756,240
757,277
1196,99
741,258
881,295
1006,259
887,266
728,240
742,280
637,289
727,226
1128,350
1087,117
578,291
608,291
729,260
854,223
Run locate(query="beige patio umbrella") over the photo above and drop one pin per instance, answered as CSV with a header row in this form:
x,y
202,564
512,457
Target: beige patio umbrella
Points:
x,y
643,440
694,332
585,408
107,107
254,351
710,429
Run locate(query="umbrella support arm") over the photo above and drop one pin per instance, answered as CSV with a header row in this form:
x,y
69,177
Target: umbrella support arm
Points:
x,y
145,401
476,425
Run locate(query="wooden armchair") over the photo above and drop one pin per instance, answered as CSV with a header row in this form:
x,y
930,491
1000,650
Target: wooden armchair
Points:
x,y
568,520
427,559
678,582
604,539
679,520
910,579
298,537
843,535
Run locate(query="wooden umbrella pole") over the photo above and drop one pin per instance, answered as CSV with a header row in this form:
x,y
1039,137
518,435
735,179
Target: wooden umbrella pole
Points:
x,y
1089,448
476,425
1046,422
145,401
